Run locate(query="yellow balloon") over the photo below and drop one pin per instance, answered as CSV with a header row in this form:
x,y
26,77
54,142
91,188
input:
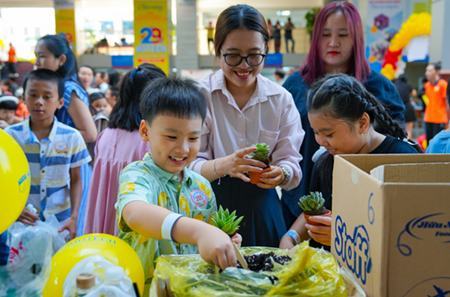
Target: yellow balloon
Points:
x,y
110,247
14,180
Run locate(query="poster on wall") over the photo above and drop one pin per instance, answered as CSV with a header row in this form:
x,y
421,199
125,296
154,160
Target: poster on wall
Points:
x,y
384,19
151,33
65,20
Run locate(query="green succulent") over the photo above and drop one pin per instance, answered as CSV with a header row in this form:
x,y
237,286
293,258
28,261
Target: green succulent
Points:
x,y
312,203
226,221
261,153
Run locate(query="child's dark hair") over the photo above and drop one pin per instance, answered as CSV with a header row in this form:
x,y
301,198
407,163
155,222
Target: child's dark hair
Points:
x,y
96,96
344,97
114,78
103,74
172,96
58,45
45,75
114,91
8,102
280,73
125,114
241,16
437,66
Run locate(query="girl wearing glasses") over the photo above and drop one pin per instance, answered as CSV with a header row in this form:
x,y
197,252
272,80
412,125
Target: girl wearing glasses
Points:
x,y
244,108
337,46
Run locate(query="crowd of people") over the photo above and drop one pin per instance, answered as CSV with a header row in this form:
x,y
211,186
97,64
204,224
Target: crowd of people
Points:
x,y
150,158
275,35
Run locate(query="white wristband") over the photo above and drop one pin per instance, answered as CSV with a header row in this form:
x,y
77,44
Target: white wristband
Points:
x,y
167,225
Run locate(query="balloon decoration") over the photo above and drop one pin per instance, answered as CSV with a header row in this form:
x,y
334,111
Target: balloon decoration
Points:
x,y
417,24
14,180
110,247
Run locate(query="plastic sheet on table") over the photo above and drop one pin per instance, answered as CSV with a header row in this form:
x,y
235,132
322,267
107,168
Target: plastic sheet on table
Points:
x,y
312,272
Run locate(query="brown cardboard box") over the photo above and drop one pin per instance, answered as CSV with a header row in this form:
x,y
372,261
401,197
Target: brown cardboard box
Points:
x,y
394,235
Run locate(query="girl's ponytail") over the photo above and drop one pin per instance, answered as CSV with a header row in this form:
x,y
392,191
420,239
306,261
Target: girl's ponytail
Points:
x,y
383,122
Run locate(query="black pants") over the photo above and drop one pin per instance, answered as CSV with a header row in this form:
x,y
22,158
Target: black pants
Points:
x,y
286,40
431,129
11,67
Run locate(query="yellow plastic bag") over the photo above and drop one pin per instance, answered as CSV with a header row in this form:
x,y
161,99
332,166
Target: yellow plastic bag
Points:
x,y
312,272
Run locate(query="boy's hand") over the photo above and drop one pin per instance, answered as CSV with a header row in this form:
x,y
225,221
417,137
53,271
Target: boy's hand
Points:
x,y
272,178
28,217
215,246
322,231
71,226
237,239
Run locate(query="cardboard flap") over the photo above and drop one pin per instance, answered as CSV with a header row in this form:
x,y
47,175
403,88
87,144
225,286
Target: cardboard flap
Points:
x,y
413,173
367,162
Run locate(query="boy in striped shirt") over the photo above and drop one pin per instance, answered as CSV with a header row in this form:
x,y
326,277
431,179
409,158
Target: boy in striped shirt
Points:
x,y
54,151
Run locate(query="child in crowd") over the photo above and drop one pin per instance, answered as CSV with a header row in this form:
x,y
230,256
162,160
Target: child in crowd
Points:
x,y
101,81
245,108
54,151
116,147
100,111
346,119
53,52
163,206
98,104
22,110
112,95
8,106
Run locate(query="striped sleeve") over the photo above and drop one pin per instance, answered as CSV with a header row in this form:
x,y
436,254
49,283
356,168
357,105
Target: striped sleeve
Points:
x,y
79,153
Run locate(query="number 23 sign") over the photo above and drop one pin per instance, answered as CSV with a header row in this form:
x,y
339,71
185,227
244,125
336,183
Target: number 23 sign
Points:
x,y
151,35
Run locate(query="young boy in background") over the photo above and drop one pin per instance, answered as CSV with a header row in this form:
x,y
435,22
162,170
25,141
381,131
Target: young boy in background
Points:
x,y
54,151
8,106
163,207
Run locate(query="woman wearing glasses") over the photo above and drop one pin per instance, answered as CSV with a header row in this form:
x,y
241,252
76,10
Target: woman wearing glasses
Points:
x,y
244,108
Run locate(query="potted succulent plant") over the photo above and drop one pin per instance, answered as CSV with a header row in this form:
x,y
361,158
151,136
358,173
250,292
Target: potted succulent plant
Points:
x,y
229,223
312,205
261,154
226,221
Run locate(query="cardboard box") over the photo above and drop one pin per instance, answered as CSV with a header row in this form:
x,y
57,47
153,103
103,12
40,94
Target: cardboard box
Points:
x,y
393,231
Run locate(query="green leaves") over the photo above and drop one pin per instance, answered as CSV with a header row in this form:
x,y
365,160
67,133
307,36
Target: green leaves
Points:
x,y
226,221
261,153
312,202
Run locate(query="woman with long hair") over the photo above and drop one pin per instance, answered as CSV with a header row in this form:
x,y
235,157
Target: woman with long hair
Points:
x,y
337,46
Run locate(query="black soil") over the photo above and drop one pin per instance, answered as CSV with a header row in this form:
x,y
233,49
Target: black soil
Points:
x,y
265,261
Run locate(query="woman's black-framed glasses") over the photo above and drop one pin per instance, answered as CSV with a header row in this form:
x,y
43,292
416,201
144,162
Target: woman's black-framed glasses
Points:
x,y
236,59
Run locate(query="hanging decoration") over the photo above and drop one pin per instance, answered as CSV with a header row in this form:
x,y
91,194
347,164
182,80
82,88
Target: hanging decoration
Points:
x,y
417,24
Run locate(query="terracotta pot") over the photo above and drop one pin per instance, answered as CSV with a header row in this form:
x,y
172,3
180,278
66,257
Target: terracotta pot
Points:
x,y
255,177
326,213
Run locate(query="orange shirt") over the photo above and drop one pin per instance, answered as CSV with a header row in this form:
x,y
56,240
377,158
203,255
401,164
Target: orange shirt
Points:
x,y
436,110
22,110
12,55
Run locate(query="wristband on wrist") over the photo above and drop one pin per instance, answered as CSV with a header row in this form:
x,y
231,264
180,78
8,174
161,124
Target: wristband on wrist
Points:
x,y
167,225
293,235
